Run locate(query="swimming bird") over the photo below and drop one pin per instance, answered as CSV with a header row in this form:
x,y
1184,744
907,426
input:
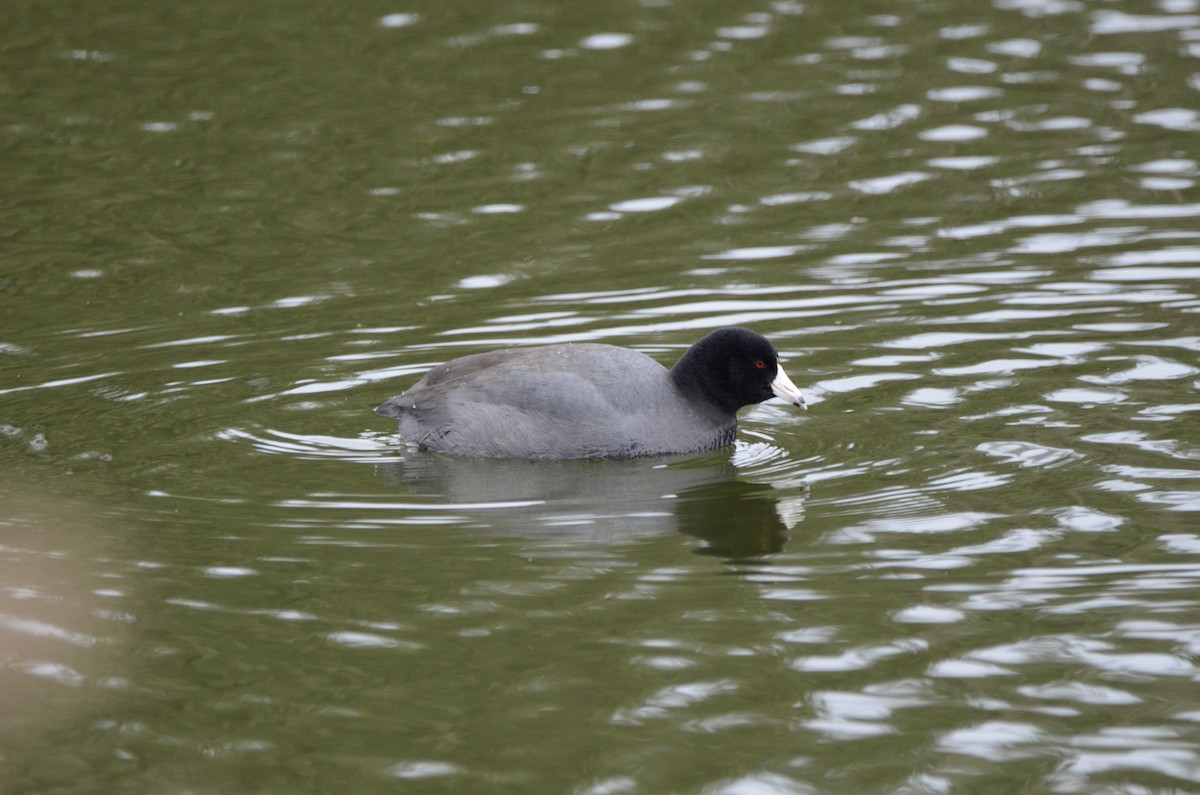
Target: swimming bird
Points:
x,y
590,400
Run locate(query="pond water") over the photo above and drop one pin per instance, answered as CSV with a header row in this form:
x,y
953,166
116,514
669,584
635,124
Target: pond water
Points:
x,y
230,229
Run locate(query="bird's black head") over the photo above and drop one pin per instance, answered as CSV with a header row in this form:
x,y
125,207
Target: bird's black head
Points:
x,y
733,367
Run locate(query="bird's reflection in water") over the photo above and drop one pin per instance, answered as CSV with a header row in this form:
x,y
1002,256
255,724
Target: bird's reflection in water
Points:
x,y
738,519
610,500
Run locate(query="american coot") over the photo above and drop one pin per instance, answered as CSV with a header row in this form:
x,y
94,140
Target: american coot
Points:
x,y
586,400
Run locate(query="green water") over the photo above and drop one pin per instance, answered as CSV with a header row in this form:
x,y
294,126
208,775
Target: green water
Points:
x,y
229,230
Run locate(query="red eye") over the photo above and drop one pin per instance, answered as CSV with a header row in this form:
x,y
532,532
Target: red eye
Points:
x,y
760,364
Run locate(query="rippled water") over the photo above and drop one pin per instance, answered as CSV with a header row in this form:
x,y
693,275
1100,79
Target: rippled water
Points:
x,y
970,230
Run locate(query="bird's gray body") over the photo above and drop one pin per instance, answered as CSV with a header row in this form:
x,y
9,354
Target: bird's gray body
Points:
x,y
580,400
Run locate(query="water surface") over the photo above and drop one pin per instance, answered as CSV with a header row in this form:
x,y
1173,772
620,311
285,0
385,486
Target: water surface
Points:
x,y
230,230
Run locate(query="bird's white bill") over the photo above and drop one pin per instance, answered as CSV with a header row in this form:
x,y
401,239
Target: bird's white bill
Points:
x,y
783,387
